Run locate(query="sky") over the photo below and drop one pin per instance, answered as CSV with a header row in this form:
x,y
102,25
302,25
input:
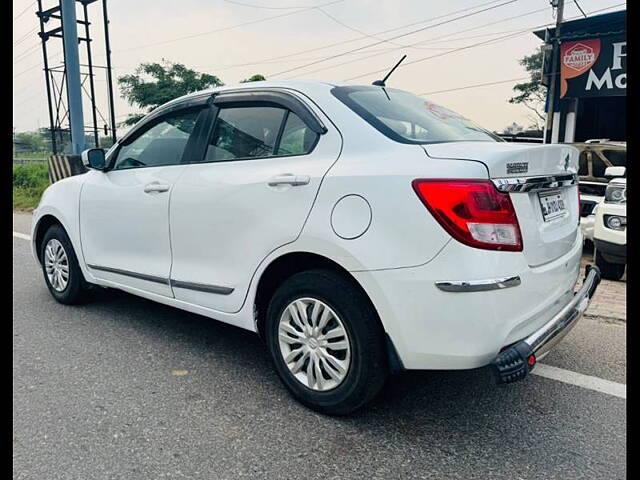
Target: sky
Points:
x,y
327,40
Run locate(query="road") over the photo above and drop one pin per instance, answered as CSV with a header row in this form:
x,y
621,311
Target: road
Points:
x,y
125,388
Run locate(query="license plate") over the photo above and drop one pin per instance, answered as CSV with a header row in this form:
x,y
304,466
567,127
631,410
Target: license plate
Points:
x,y
552,205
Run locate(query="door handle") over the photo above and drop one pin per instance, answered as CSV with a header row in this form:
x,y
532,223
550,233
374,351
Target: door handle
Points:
x,y
289,179
156,187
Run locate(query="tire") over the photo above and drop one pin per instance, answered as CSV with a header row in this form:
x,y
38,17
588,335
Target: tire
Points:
x,y
610,271
75,290
347,310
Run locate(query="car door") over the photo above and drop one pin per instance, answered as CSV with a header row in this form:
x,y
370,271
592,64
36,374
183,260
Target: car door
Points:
x,y
261,169
124,212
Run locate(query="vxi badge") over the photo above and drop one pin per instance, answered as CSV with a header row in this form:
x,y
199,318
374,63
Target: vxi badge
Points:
x,y
518,167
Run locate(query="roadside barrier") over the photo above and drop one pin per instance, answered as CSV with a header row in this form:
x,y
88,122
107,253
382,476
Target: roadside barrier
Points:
x,y
63,166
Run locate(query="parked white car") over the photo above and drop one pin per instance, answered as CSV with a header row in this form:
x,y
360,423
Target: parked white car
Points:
x,y
610,229
360,230
595,157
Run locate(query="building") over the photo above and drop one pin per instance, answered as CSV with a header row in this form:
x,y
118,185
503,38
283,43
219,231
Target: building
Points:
x,y
590,97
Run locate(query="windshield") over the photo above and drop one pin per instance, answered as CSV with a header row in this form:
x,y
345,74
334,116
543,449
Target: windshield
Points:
x,y
408,118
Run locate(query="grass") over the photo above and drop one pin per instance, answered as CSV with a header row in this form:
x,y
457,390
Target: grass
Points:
x,y
29,181
32,155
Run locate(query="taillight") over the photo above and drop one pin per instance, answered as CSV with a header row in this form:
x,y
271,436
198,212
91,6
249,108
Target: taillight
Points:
x,y
579,205
473,212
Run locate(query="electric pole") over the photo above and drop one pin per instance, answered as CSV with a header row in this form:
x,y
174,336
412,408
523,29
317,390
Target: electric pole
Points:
x,y
555,60
66,80
72,65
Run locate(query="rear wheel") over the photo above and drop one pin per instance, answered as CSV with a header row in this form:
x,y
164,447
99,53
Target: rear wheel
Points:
x,y
60,267
326,342
610,271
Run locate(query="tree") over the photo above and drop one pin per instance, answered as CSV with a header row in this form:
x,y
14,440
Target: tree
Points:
x,y
153,84
254,78
532,94
29,142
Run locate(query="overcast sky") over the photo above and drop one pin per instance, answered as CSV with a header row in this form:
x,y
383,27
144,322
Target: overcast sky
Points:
x,y
218,43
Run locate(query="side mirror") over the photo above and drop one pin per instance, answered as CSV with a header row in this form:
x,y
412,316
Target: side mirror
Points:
x,y
94,158
615,172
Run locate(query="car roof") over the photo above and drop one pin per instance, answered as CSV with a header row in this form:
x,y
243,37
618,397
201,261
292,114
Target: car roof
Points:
x,y
304,86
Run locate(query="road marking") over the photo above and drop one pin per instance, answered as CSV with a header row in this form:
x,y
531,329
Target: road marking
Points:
x,y
581,380
542,370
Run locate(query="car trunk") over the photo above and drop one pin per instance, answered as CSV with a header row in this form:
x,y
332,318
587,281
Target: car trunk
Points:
x,y
548,230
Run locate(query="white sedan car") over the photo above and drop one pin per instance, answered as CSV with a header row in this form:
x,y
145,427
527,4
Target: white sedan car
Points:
x,y
360,230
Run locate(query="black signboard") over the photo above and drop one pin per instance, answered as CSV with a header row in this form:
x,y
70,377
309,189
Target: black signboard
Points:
x,y
594,67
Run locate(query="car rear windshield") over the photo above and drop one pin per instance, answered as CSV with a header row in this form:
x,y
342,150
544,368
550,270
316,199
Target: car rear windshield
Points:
x,y
408,118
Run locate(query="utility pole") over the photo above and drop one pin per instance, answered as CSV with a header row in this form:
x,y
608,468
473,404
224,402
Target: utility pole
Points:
x,y
112,112
72,65
555,60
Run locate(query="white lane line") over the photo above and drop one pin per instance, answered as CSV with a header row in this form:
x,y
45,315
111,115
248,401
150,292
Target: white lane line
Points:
x,y
21,235
581,380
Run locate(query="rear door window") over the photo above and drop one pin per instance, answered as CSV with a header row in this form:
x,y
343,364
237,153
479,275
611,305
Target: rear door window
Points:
x,y
244,133
297,138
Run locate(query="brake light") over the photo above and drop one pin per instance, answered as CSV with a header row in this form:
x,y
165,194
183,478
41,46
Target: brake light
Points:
x,y
474,212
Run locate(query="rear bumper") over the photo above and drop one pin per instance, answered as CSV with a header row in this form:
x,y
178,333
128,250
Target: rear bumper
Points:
x,y
515,362
447,315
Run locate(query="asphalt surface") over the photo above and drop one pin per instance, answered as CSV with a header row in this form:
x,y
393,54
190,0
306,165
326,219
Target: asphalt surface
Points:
x,y
126,388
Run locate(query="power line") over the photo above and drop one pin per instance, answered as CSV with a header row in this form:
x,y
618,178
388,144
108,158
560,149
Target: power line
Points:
x,y
466,47
27,70
35,66
331,57
24,11
25,36
342,42
26,53
432,40
224,29
439,38
495,40
580,8
364,34
263,7
28,99
475,86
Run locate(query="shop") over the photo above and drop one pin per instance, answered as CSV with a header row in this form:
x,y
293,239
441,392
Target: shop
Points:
x,y
590,99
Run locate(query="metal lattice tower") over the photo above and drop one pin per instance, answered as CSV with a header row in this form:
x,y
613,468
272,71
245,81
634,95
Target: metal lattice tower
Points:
x,y
70,81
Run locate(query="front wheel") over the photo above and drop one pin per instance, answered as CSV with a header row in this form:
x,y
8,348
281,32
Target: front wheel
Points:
x,y
60,267
326,342
610,271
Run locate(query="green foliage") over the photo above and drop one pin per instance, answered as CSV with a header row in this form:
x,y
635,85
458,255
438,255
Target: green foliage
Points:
x,y
532,94
254,78
29,142
153,84
29,181
31,175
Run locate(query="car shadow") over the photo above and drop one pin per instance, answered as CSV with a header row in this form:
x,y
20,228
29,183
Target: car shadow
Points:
x,y
430,393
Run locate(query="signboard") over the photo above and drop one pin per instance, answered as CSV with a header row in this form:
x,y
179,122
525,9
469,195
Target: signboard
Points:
x,y
594,67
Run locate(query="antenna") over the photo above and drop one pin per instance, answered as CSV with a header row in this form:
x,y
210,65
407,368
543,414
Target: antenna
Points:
x,y
380,83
